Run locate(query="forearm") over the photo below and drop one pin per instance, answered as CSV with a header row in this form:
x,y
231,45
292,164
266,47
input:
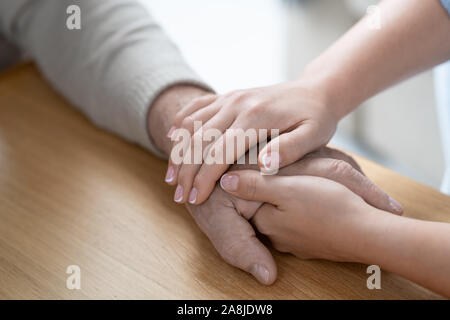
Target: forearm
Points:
x,y
414,36
417,250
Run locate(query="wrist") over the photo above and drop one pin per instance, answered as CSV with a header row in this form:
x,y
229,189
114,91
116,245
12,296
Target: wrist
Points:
x,y
330,86
163,111
381,234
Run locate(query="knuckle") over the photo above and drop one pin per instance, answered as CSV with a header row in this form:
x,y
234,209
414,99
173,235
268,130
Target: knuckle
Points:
x,y
244,95
337,154
254,109
370,190
245,208
353,162
237,94
341,168
235,101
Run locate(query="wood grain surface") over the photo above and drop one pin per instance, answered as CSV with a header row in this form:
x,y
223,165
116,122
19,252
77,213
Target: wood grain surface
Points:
x,y
72,194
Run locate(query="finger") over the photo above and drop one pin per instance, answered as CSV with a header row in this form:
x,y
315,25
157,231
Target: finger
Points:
x,y
235,240
246,208
191,107
226,150
200,116
342,172
252,185
337,154
180,145
328,152
189,168
289,147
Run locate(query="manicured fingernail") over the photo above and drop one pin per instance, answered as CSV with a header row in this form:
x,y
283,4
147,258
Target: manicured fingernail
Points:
x,y
229,182
170,133
271,161
395,205
178,194
260,273
170,174
193,195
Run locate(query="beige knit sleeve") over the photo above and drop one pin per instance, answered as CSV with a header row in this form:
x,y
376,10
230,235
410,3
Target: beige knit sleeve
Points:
x,y
111,69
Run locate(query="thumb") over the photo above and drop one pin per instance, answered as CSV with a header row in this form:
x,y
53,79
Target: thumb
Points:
x,y
252,185
236,241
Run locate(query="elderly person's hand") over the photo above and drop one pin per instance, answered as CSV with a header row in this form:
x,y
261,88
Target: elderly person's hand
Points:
x,y
224,218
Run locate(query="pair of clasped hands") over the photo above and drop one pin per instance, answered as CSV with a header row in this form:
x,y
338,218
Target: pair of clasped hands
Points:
x,y
318,205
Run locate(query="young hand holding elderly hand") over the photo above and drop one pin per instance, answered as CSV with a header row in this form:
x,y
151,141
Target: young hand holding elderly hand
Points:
x,y
313,217
225,218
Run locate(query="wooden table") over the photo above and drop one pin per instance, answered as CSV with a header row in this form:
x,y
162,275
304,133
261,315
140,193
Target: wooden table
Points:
x,y
71,194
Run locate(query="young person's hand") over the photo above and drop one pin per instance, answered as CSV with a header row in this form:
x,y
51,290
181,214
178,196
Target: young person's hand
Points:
x,y
299,112
317,218
311,217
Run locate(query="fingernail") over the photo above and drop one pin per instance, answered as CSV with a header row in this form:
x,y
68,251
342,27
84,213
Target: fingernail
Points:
x,y
229,182
193,195
178,194
395,205
169,174
272,158
170,133
260,273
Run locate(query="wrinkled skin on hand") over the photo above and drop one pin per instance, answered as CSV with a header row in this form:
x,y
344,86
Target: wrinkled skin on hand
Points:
x,y
224,220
